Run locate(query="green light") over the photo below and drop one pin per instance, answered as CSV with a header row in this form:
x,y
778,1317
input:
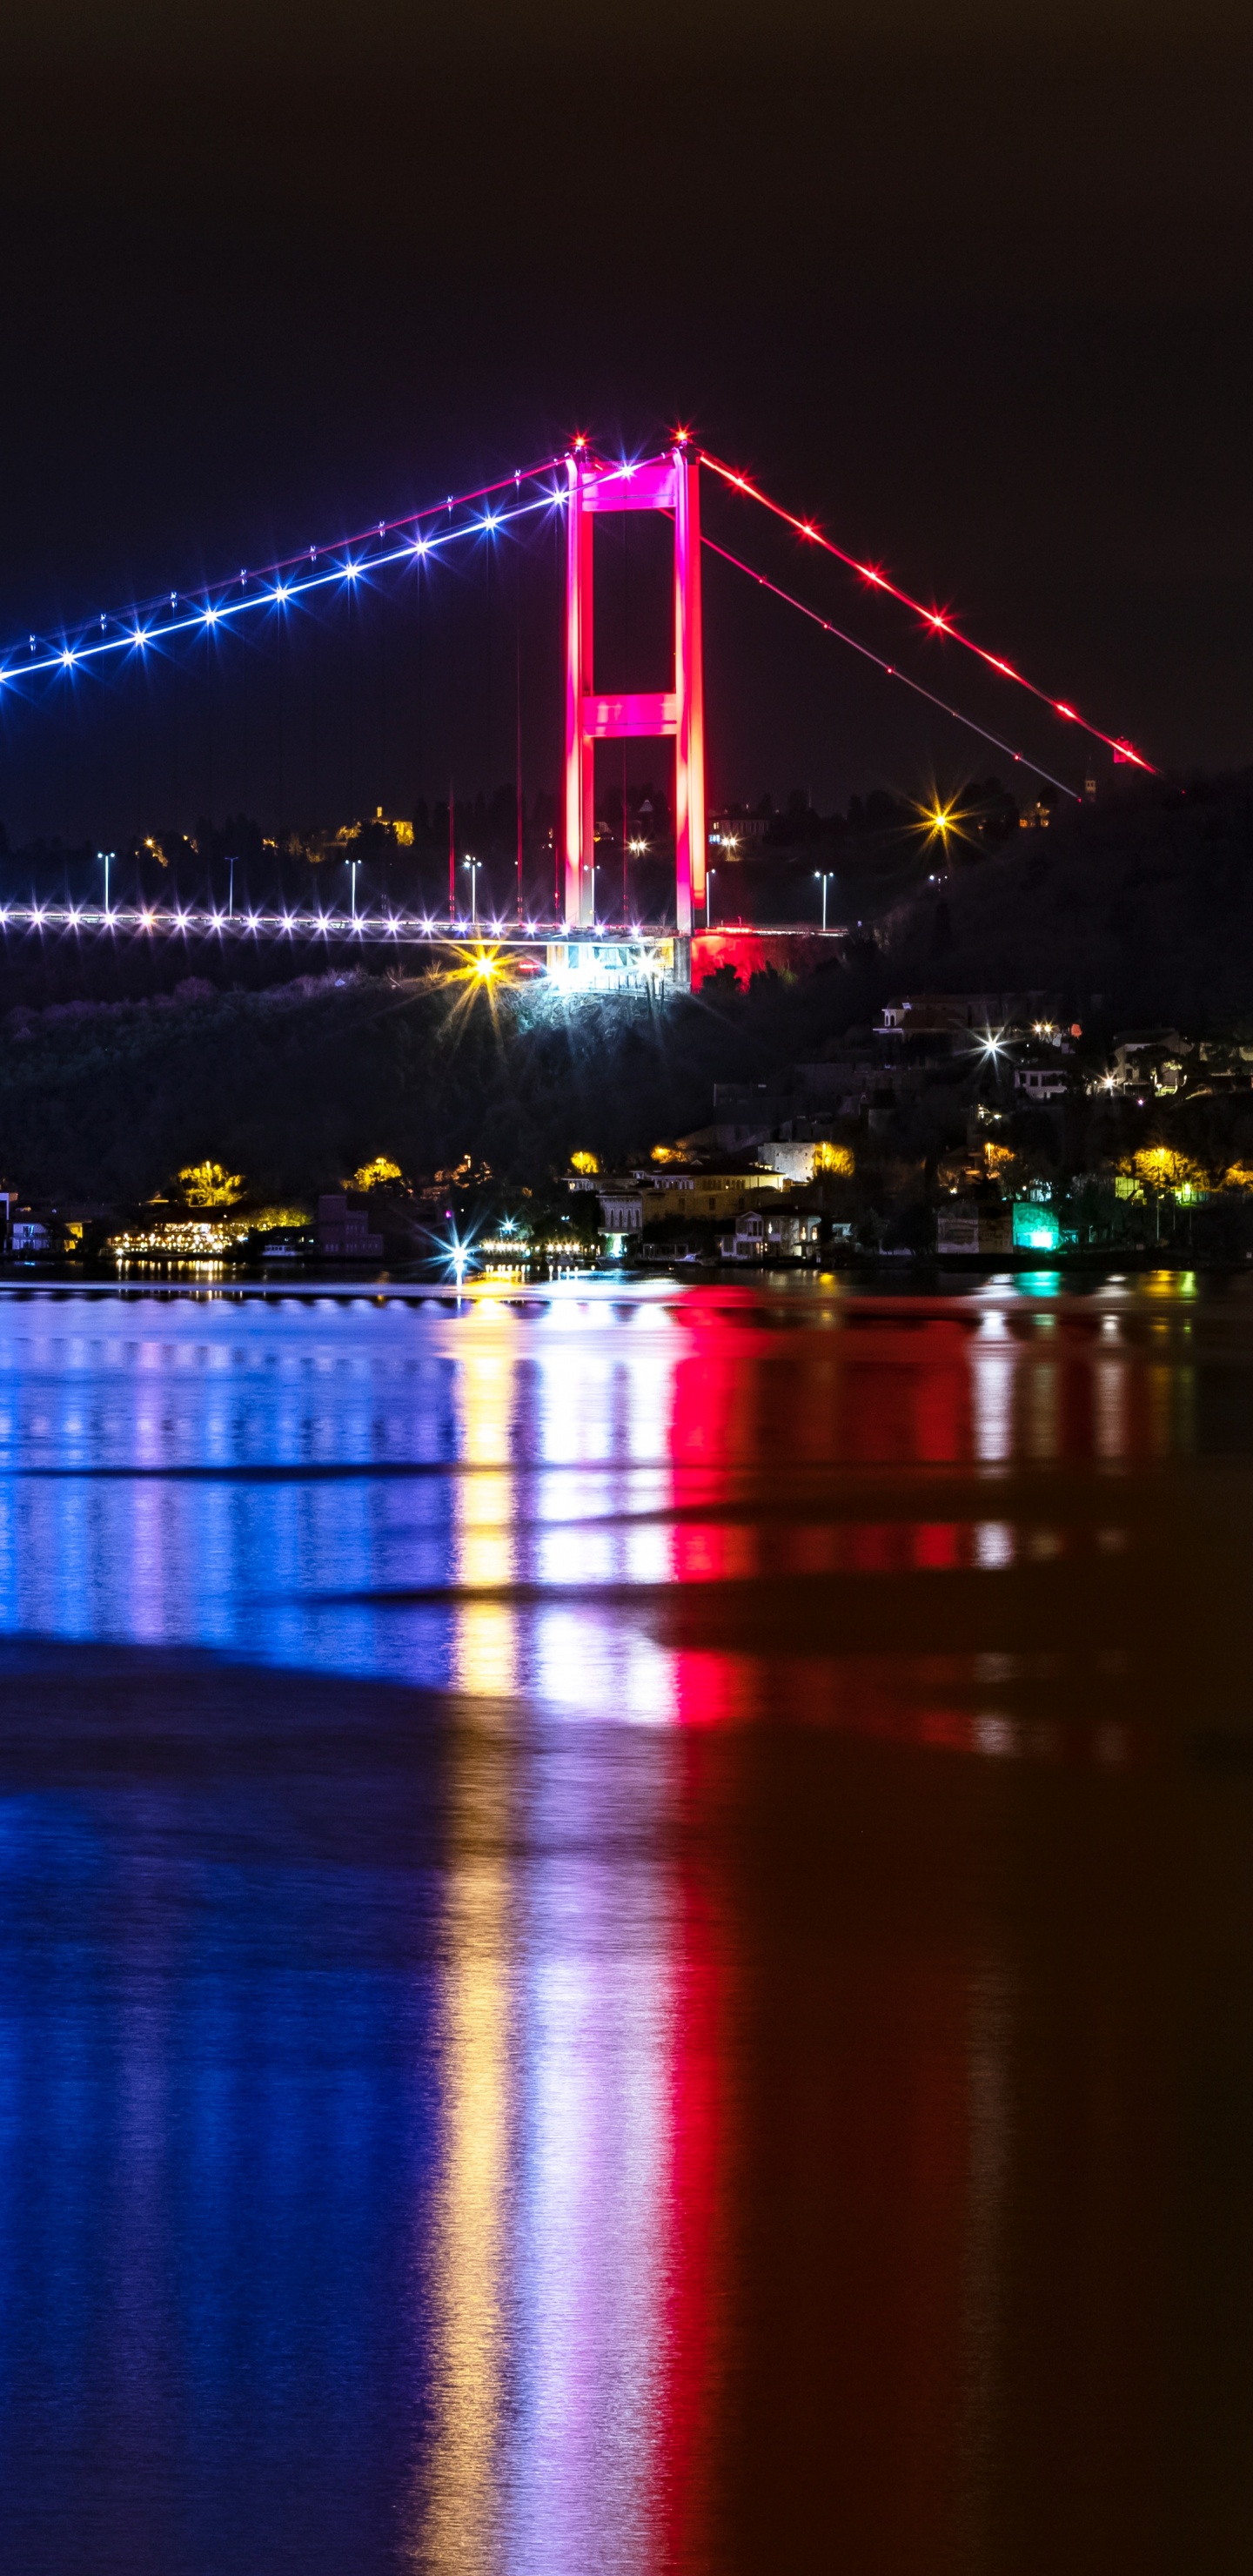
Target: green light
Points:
x,y
1036,1229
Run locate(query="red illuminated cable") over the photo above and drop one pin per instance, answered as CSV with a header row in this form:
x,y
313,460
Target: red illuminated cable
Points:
x,y
932,619
843,637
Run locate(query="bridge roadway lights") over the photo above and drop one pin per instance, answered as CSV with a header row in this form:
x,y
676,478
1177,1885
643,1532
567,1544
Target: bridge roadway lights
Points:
x,y
591,962
607,959
361,930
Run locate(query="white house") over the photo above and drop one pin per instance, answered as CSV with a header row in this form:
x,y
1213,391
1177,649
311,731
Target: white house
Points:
x,y
1041,1081
622,1211
774,1234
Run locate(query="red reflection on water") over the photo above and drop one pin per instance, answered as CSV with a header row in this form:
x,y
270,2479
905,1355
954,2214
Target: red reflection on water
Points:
x,y
852,2215
777,1434
745,2177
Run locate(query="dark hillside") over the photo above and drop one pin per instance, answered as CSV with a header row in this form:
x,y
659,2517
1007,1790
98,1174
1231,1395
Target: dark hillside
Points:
x,y
297,1086
1147,902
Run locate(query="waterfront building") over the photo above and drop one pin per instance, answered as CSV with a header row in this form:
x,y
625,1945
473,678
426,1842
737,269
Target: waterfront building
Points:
x,y
344,1228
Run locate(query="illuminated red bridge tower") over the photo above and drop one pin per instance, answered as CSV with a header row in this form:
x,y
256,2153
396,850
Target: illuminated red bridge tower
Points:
x,y
667,483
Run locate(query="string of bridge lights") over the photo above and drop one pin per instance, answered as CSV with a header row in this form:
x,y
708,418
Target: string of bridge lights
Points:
x,y
936,621
200,612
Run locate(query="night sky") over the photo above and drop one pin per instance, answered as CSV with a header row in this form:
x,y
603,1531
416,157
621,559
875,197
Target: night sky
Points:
x,y
971,285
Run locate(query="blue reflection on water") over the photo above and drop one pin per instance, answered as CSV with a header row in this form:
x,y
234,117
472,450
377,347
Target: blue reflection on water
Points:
x,y
216,2123
250,1477
333,2133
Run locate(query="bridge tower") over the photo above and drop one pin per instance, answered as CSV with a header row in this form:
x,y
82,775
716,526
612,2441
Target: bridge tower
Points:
x,y
668,483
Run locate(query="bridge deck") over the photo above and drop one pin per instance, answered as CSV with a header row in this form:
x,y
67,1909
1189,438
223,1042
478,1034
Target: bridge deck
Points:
x,y
366,929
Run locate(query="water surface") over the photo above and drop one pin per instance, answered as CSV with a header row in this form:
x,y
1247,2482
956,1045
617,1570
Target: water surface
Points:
x,y
626,1931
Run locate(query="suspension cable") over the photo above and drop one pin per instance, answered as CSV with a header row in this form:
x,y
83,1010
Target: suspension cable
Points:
x,y
181,613
933,619
890,668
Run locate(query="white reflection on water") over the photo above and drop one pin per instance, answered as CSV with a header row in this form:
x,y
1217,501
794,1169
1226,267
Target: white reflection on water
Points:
x,y
579,2478
470,1499
991,1390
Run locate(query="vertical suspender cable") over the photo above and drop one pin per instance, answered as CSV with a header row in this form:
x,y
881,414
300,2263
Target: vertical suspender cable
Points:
x,y
517,713
452,801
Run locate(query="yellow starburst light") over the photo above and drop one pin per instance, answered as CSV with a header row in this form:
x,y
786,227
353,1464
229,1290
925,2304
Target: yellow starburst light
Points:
x,y
941,821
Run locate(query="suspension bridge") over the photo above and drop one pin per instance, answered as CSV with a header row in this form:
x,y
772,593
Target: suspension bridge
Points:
x,y
579,489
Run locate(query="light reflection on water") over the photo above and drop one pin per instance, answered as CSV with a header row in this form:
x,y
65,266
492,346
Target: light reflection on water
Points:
x,y
492,1499
661,2088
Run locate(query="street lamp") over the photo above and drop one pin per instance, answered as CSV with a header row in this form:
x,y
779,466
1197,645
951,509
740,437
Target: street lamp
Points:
x,y
710,874
636,847
473,865
353,866
106,855
824,877
994,1055
232,865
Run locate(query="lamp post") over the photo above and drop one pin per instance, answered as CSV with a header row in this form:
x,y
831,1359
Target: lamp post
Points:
x,y
824,880
634,848
105,855
473,865
353,866
230,907
710,874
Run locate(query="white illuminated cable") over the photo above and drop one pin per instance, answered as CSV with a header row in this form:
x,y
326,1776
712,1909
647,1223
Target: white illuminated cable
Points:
x,y
347,569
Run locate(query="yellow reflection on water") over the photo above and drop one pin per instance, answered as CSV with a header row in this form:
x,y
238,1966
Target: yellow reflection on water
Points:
x,y
461,2499
1043,1384
460,2520
485,1641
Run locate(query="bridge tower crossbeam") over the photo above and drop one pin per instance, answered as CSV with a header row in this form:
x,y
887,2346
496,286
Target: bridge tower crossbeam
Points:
x,y
668,483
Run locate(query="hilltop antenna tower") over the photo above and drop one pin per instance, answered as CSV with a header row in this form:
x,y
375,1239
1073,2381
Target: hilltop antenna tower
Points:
x,y
668,482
